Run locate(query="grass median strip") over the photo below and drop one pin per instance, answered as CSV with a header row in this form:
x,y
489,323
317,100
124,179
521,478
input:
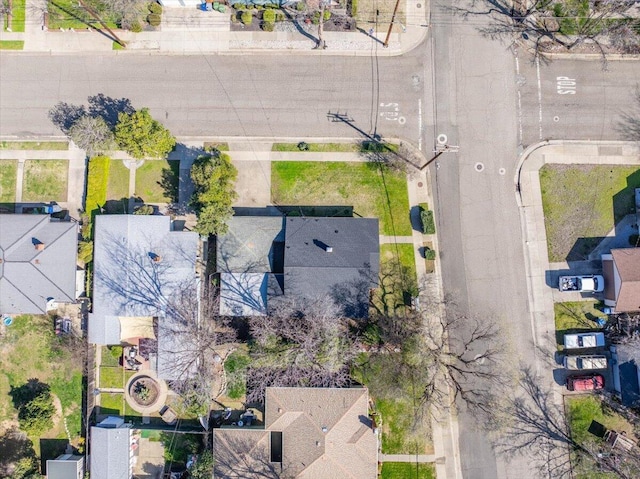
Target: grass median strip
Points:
x,y
11,44
34,145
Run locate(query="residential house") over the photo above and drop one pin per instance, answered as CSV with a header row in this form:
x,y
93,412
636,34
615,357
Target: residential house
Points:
x,y
314,433
264,258
621,271
38,257
142,268
66,466
112,450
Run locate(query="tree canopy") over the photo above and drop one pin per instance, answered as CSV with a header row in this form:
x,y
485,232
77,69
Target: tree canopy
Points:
x,y
214,178
143,137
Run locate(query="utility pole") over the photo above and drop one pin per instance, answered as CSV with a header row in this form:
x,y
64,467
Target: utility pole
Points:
x,y
393,17
93,13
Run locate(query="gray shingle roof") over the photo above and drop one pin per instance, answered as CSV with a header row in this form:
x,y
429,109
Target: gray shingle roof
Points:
x,y
127,281
30,274
110,453
65,467
326,433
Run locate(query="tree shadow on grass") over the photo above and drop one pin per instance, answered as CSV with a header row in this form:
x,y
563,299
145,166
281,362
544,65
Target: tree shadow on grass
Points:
x,y
24,394
170,181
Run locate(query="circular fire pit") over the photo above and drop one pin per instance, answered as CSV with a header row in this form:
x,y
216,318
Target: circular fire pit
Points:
x,y
146,394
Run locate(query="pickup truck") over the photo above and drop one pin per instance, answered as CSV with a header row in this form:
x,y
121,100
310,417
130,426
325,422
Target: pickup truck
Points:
x,y
585,362
584,284
583,340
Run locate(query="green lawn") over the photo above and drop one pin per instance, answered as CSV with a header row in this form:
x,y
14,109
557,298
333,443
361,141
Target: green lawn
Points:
x,y
318,147
402,252
397,421
45,180
372,192
112,403
216,145
235,367
111,377
67,14
30,349
575,316
405,470
17,24
11,44
118,185
34,145
581,411
149,178
582,203
108,359
8,171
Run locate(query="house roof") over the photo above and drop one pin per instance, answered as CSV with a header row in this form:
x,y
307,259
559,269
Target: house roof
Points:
x,y
248,245
110,453
139,263
65,467
326,433
244,294
627,262
37,262
336,257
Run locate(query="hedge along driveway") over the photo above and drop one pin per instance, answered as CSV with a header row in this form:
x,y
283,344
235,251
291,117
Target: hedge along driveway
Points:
x,y
374,192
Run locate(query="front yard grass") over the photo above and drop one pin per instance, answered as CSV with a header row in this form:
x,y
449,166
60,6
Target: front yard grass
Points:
x,y
149,178
8,172
575,317
581,411
401,253
371,191
34,145
397,421
66,14
118,183
407,470
582,203
18,11
45,180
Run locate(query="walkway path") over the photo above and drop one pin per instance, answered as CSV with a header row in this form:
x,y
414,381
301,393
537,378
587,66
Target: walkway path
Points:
x,y
407,458
395,239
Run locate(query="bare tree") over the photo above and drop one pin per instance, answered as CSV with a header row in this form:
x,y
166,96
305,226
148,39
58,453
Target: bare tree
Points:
x,y
300,343
92,134
129,12
544,25
64,115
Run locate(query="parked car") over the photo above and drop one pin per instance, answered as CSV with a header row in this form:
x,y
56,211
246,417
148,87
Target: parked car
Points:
x,y
593,382
583,284
585,362
583,340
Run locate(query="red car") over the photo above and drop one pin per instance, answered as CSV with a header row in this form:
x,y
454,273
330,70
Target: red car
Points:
x,y
585,383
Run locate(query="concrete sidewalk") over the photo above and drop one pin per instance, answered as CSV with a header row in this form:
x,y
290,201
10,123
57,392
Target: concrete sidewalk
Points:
x,y
210,33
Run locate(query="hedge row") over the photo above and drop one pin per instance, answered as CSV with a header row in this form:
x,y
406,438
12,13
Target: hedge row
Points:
x,y
97,181
426,217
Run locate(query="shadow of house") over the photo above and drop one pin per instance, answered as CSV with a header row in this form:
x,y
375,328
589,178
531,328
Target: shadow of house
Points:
x,y
626,379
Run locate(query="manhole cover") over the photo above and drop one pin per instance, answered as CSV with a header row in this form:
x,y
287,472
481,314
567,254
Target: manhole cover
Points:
x,y
418,5
479,166
420,184
502,171
556,118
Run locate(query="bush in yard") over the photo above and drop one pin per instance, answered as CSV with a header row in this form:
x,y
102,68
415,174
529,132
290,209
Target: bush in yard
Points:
x,y
155,7
429,254
267,26
269,16
238,6
35,408
144,210
428,225
246,17
154,19
143,137
327,15
116,351
135,27
300,6
315,19
353,8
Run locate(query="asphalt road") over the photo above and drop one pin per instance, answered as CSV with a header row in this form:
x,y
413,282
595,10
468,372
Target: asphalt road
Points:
x,y
283,96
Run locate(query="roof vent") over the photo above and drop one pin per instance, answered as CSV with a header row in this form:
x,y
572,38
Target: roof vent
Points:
x,y
324,429
317,443
329,249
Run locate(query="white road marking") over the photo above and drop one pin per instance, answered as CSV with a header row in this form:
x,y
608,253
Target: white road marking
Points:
x,y
420,124
566,86
519,98
539,94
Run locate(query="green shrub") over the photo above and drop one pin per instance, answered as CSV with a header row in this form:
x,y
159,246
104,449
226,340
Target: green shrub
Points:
x,y
135,27
155,7
315,19
429,254
238,6
353,8
116,351
269,16
280,16
246,17
327,15
154,19
303,146
144,210
428,225
267,26
300,6
85,251
35,416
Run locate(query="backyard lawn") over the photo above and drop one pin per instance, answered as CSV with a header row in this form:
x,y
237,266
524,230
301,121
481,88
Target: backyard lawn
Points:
x,y
118,185
372,193
8,170
582,203
29,349
406,470
45,180
112,403
575,316
114,377
149,181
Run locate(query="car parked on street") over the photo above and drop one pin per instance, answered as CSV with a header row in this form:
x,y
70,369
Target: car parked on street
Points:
x,y
592,382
